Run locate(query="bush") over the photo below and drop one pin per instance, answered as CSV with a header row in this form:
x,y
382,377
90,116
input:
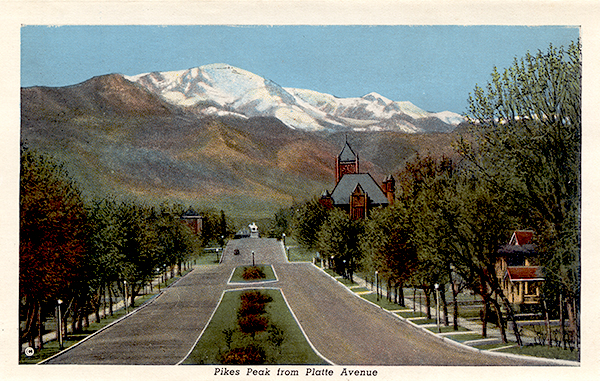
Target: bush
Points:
x,y
255,297
249,355
252,273
250,308
251,324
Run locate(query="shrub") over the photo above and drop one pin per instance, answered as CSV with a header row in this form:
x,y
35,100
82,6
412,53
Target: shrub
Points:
x,y
252,273
255,297
249,355
250,324
250,308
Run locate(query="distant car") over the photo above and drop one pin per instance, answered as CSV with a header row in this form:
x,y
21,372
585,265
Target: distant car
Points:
x,y
236,252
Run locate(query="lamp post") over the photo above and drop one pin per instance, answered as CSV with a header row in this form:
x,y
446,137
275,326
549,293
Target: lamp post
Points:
x,y
59,329
377,284
217,254
125,300
437,306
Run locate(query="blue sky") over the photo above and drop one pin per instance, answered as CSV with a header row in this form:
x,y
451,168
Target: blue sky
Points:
x,y
434,67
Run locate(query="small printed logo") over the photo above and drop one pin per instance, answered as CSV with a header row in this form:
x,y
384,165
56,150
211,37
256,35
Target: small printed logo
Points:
x,y
29,351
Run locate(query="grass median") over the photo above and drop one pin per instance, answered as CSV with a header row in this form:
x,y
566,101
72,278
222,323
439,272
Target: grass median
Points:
x,y
282,341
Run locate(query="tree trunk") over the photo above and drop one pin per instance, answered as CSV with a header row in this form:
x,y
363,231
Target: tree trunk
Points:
x,y
427,301
444,304
562,321
455,306
547,324
484,312
110,300
511,317
501,323
572,321
40,326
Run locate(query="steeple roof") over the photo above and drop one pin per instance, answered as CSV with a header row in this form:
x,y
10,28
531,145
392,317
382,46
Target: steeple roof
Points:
x,y
347,153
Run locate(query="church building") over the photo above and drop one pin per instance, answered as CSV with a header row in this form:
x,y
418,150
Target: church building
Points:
x,y
355,192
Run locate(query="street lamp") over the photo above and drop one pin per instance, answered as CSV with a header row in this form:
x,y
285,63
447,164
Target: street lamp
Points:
x,y
125,300
377,284
217,254
437,306
59,329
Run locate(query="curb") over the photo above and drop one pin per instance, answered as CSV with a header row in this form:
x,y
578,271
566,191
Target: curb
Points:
x,y
547,361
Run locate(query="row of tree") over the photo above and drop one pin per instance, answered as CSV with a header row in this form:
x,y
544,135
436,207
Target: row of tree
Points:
x,y
518,167
83,252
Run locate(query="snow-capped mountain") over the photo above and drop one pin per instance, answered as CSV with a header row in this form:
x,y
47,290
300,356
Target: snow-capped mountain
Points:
x,y
220,89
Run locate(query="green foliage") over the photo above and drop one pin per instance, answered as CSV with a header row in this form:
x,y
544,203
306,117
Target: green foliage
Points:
x,y
281,222
52,237
339,239
526,143
307,222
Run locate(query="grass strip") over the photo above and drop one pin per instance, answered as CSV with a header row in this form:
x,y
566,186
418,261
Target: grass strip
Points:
x,y
465,337
445,329
544,351
294,348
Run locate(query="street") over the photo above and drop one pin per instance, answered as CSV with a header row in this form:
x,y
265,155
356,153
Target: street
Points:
x,y
345,329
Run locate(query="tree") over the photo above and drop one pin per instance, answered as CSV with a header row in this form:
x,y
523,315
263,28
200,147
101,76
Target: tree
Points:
x,y
52,238
339,239
307,222
139,247
525,140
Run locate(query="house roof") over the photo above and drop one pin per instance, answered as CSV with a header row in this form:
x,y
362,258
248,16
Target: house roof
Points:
x,y
349,182
525,273
347,153
521,237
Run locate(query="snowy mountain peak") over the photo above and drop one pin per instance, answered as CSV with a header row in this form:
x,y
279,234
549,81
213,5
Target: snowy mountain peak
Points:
x,y
223,89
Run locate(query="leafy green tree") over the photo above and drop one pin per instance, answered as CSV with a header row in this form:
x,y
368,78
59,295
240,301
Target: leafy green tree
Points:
x,y
387,247
52,239
525,140
307,222
338,238
281,223
176,240
138,245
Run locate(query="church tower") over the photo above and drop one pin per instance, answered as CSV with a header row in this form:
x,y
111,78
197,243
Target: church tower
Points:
x,y
346,162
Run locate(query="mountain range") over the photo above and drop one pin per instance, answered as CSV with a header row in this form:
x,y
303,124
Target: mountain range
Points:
x,y
224,90
220,137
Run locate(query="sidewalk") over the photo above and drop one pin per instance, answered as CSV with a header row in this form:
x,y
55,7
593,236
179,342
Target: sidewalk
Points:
x,y
470,327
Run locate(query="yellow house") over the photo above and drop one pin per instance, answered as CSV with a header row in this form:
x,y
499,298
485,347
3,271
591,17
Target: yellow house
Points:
x,y
518,270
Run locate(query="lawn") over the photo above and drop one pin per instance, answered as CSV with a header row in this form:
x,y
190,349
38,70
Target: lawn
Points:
x,y
447,329
298,253
294,349
544,351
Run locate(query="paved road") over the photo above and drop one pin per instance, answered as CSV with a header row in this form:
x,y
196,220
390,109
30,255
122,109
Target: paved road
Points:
x,y
344,328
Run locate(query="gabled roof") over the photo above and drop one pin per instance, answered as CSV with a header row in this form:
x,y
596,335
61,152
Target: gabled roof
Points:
x,y
349,182
525,273
191,213
347,153
521,237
